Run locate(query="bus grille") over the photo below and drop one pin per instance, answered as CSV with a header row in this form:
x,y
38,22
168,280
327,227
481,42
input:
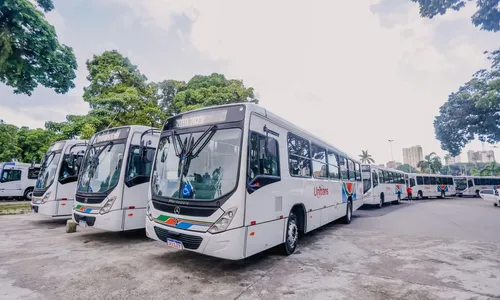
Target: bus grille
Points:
x,y
189,241
90,220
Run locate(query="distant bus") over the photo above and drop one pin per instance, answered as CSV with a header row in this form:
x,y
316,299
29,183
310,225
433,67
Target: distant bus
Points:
x,y
431,185
471,185
17,180
382,185
231,181
112,187
55,188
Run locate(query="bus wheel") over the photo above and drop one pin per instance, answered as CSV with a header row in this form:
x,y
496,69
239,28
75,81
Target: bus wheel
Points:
x,y
398,200
477,193
292,235
495,204
420,195
443,194
381,203
348,214
28,193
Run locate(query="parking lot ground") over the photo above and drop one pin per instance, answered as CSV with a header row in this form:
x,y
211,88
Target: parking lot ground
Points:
x,y
431,249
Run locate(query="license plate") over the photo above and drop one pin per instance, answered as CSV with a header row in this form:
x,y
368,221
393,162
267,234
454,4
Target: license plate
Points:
x,y
174,244
82,223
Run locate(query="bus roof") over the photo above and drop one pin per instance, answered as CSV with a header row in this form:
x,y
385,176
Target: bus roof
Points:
x,y
373,166
251,107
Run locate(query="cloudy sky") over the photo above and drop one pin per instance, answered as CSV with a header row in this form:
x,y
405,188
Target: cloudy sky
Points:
x,y
355,73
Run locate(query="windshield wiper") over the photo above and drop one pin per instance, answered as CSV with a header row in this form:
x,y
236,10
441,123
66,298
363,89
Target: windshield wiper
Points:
x,y
94,161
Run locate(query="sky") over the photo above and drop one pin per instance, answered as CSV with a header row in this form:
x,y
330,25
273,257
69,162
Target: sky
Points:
x,y
355,73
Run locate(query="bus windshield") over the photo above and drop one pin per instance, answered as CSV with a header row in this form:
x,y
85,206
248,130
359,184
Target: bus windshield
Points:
x,y
101,168
48,170
460,184
205,172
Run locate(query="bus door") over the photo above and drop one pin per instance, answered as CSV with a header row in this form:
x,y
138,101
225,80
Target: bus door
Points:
x,y
137,174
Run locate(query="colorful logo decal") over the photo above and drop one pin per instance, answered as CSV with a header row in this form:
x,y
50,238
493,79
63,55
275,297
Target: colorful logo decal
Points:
x,y
84,209
320,191
348,190
442,188
399,188
180,223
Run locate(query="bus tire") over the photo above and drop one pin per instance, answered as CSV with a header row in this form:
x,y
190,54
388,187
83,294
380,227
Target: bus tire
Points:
x,y
477,193
443,195
420,195
495,204
348,214
398,200
28,193
292,235
381,203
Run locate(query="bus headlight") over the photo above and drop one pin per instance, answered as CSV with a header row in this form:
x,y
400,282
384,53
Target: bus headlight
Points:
x,y
45,197
148,211
108,205
224,221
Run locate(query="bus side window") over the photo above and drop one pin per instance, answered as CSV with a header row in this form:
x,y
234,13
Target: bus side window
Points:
x,y
420,180
375,178
412,182
319,162
260,162
333,165
299,156
470,183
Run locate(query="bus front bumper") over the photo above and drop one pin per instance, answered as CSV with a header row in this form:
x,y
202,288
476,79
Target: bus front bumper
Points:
x,y
227,245
53,208
111,221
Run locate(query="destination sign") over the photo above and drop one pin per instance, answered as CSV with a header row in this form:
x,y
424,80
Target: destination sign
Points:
x,y
206,117
110,135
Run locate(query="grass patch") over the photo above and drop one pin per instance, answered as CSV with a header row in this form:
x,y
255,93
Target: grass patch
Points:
x,y
8,207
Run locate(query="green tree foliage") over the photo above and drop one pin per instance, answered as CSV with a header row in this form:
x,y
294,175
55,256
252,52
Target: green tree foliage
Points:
x,y
474,110
30,53
366,158
487,16
24,144
119,94
407,168
493,169
431,164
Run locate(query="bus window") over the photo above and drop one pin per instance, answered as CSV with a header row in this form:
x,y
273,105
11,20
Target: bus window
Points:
x,y
33,173
138,171
433,180
412,182
333,165
375,178
476,181
470,183
358,171
318,155
438,181
343,168
427,180
420,180
352,171
299,159
381,176
11,175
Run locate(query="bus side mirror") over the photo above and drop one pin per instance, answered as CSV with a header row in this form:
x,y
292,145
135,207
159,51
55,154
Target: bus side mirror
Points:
x,y
150,155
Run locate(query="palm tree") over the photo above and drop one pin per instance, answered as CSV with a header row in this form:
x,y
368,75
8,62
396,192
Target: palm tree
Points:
x,y
366,158
492,170
431,164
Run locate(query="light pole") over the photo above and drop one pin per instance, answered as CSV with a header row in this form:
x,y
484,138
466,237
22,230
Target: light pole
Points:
x,y
390,144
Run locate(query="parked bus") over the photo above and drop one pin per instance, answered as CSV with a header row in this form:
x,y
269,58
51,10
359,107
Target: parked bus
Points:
x,y
112,188
17,180
382,185
471,185
55,188
431,185
231,181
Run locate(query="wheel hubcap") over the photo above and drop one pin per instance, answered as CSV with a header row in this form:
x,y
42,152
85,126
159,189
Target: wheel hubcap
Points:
x,y
292,234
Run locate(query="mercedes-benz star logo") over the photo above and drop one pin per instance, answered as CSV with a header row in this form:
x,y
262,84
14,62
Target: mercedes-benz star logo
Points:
x,y
177,210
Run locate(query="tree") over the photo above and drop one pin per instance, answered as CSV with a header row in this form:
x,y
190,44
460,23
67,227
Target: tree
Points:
x,y
474,110
30,53
215,89
487,16
407,168
34,143
492,169
366,158
430,164
9,148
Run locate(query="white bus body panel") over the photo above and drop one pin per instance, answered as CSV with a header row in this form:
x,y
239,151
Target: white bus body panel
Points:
x,y
261,219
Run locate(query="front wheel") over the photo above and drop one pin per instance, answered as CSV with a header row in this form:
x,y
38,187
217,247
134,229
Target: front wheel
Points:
x,y
420,195
381,203
348,214
28,193
443,194
292,235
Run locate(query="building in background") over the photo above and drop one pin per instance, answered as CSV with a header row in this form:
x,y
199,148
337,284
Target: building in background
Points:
x,y
393,164
413,155
450,160
480,156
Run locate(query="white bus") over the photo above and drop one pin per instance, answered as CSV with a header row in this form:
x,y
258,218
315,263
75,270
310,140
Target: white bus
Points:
x,y
382,185
55,188
17,180
471,185
431,185
112,188
231,181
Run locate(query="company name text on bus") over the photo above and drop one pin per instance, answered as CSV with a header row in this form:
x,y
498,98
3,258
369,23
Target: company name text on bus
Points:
x,y
320,191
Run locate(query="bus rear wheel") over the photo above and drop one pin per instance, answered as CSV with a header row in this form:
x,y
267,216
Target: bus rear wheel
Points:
x,y
420,195
348,214
443,194
28,193
381,203
292,235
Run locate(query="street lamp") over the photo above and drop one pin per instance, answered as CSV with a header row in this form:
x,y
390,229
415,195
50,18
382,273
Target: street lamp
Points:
x,y
390,144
